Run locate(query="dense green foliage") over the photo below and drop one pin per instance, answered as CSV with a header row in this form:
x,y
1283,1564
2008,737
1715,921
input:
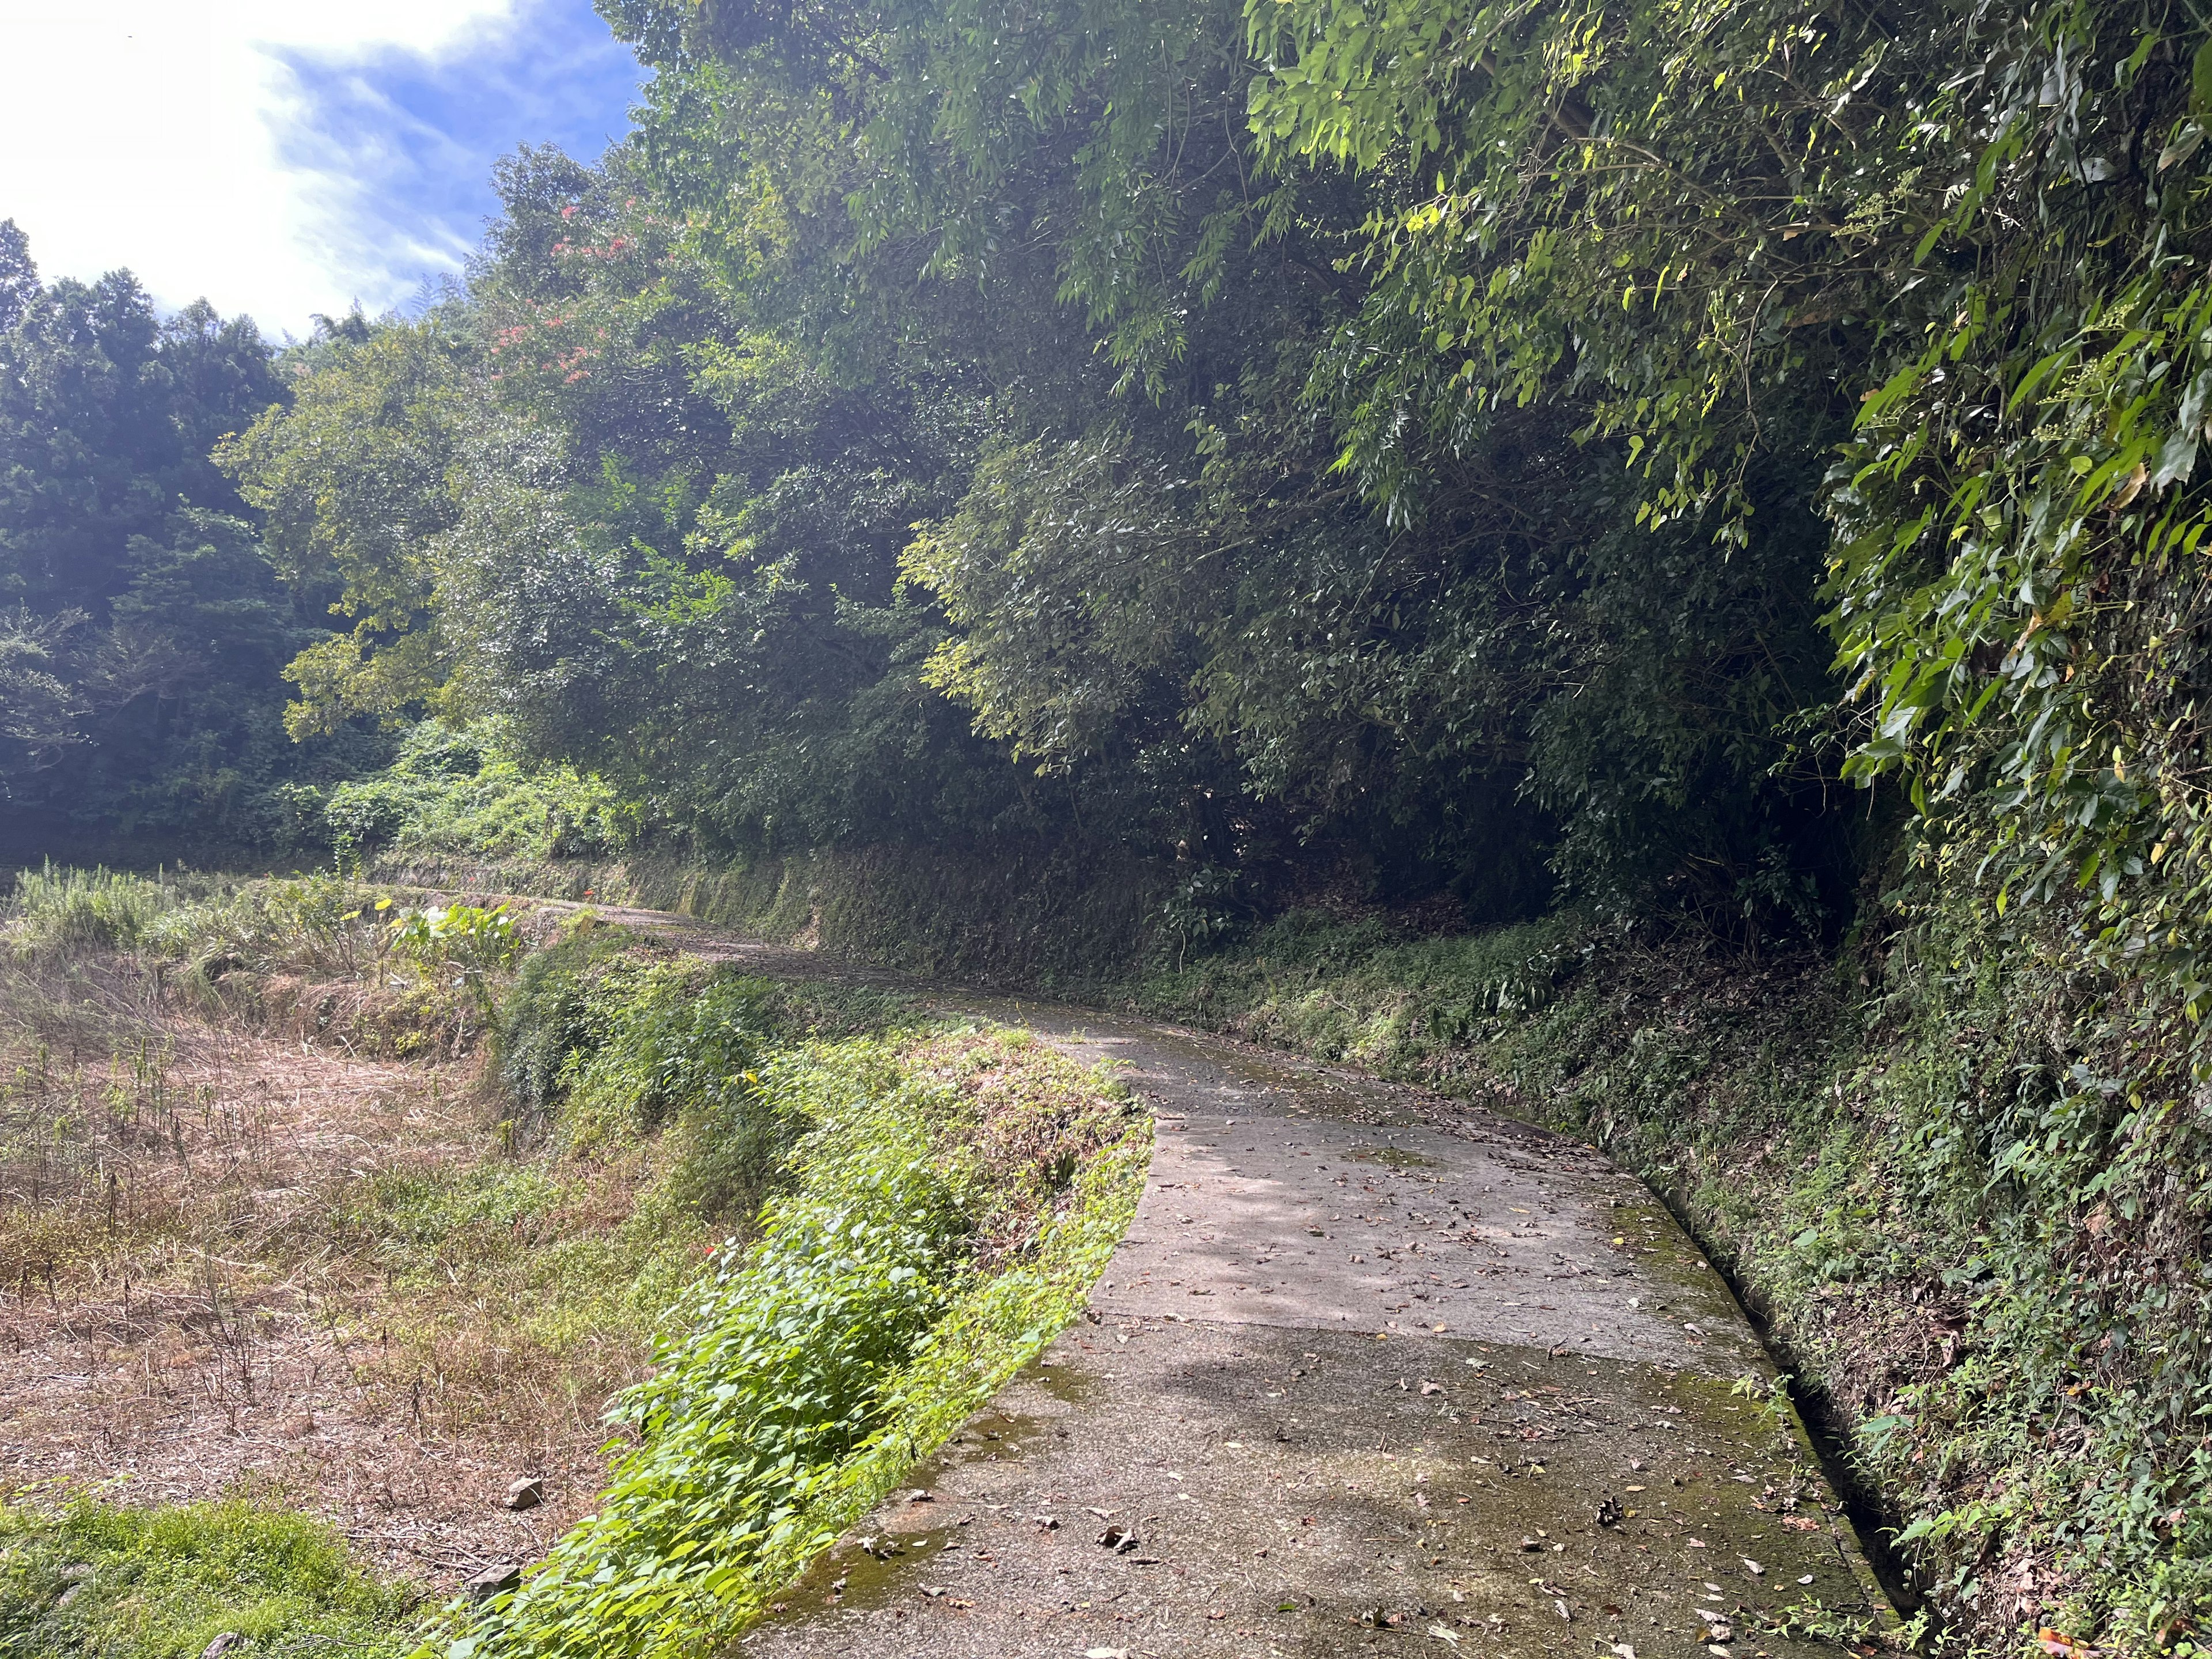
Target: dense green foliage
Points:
x,y
718,383
450,789
1391,441
142,632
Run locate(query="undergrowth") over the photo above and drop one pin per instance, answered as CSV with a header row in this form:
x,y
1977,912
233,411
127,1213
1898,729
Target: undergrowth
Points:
x,y
944,1201
452,788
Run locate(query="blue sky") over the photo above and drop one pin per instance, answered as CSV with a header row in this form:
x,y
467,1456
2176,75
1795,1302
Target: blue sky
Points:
x,y
284,157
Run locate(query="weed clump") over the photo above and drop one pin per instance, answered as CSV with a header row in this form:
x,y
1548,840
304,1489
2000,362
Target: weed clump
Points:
x,y
62,909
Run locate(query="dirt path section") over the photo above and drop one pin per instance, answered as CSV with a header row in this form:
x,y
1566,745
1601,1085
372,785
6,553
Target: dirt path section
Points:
x,y
1373,1371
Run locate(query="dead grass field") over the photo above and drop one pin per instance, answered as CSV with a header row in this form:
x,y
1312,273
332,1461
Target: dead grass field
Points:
x,y
233,1262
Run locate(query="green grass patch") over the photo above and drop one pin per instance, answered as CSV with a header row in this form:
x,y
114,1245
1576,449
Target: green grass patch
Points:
x,y
89,1580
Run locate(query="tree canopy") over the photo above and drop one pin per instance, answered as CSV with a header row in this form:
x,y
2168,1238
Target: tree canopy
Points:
x,y
142,632
1501,449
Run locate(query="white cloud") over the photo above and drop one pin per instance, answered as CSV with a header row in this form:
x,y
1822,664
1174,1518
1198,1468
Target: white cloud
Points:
x,y
157,134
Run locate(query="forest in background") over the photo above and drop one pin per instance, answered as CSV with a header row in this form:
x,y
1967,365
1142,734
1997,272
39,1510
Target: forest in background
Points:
x,y
1719,468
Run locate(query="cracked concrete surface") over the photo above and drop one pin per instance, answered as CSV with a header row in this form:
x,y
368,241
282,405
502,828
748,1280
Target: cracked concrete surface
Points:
x,y
1373,1372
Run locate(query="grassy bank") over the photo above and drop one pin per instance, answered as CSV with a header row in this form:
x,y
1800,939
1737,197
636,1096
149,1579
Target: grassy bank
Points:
x,y
1015,913
87,1580
939,1199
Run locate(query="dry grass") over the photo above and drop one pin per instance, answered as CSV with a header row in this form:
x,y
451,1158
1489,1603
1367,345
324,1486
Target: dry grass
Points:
x,y
231,1259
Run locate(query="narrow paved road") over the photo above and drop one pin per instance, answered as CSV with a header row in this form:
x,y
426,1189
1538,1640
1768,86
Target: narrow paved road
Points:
x,y
1371,1372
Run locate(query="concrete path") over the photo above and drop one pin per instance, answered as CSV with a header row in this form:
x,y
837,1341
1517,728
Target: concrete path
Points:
x,y
1373,1372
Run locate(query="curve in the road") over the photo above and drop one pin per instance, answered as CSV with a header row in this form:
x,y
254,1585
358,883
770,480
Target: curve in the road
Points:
x,y
1372,1371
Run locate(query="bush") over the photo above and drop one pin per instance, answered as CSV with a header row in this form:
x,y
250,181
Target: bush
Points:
x,y
451,791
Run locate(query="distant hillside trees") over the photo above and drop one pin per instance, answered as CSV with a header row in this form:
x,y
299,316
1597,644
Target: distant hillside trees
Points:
x,y
142,632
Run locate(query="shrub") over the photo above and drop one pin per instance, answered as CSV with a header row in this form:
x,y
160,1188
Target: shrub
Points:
x,y
451,791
